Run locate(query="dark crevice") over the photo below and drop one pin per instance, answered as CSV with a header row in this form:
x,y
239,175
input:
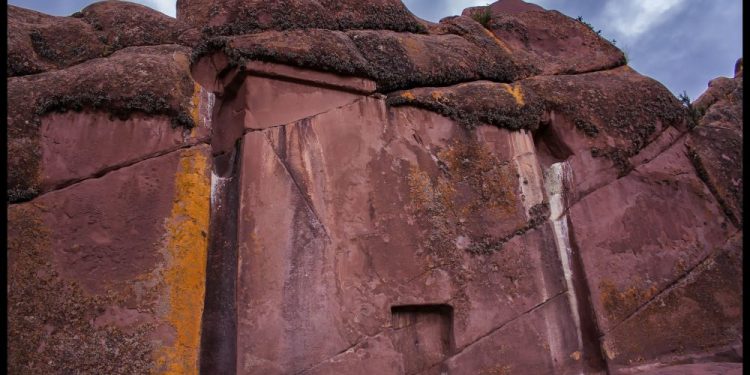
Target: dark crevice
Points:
x,y
593,355
549,146
218,350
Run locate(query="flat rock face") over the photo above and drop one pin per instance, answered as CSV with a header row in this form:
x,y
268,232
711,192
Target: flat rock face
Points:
x,y
106,276
320,262
338,187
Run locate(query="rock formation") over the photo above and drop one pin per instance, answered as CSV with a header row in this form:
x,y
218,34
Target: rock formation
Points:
x,y
339,187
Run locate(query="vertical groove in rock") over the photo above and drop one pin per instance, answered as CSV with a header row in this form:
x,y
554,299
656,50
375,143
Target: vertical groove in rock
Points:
x,y
557,181
590,331
219,336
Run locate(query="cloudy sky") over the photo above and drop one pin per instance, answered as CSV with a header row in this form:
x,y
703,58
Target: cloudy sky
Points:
x,y
681,43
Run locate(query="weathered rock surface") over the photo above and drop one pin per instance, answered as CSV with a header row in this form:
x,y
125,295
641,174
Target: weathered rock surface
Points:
x,y
553,42
38,42
335,187
235,17
46,116
715,146
107,276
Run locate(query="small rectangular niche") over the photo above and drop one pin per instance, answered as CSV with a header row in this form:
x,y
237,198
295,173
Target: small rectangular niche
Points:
x,y
424,335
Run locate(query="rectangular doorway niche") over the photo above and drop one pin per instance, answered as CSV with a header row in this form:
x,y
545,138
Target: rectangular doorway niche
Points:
x,y
424,335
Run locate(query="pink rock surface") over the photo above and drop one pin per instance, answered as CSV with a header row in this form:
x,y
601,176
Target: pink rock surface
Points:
x,y
551,41
698,369
233,17
316,270
153,81
336,187
630,254
38,42
92,285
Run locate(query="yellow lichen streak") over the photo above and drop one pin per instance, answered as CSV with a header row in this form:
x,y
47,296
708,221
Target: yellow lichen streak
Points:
x,y
184,276
516,92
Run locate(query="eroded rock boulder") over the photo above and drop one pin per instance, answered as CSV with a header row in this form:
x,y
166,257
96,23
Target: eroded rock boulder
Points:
x,y
550,40
38,42
236,17
715,146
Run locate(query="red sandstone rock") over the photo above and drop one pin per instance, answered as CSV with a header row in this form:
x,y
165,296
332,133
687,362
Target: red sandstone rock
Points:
x,y
475,103
551,41
595,120
505,212
715,146
235,17
148,80
105,276
702,309
393,60
698,369
38,42
305,233
124,24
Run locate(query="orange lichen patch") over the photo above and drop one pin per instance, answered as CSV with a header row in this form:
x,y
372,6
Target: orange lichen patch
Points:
x,y
438,95
516,92
474,187
408,95
420,188
413,45
489,179
618,304
184,278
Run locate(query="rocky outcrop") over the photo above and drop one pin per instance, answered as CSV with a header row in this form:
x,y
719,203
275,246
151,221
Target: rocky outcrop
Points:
x,y
38,42
551,41
50,146
317,187
715,146
109,192
236,17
